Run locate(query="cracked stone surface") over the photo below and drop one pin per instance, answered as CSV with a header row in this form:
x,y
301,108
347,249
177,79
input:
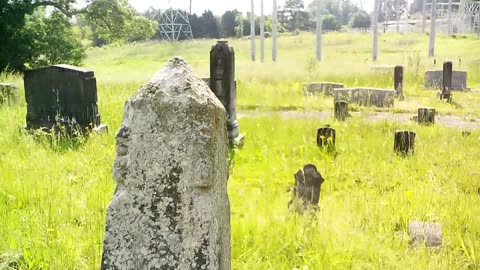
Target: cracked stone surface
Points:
x,y
170,209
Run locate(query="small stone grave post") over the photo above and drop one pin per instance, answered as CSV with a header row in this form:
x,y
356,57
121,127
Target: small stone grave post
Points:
x,y
341,110
306,192
404,142
447,81
398,81
426,233
223,85
426,116
170,209
326,136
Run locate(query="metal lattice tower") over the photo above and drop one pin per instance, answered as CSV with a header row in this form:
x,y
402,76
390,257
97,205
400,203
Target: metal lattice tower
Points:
x,y
175,24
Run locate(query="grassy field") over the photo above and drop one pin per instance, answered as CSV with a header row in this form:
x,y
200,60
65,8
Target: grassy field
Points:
x,y
53,197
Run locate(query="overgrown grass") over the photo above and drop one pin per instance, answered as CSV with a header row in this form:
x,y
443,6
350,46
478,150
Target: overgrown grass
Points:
x,y
53,198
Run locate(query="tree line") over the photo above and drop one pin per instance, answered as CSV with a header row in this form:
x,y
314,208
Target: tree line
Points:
x,y
32,35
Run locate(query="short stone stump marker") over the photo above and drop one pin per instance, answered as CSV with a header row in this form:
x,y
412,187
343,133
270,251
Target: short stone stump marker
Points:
x,y
426,116
340,110
170,209
8,94
404,142
306,192
326,137
325,88
425,232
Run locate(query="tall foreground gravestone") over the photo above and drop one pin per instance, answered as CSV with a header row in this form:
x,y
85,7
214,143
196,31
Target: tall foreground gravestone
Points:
x,y
170,209
222,83
61,94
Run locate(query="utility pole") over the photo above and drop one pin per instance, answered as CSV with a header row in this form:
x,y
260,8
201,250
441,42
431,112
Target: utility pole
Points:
x,y
319,30
274,31
190,7
431,47
252,32
449,24
262,34
375,31
397,14
424,16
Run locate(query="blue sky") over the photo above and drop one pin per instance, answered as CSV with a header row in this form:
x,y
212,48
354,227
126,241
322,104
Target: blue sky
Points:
x,y
220,6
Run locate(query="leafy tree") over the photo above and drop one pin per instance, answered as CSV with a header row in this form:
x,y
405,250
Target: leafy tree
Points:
x,y
293,16
360,20
229,23
209,25
140,28
329,22
19,46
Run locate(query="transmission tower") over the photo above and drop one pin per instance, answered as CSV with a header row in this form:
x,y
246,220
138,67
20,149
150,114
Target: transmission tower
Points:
x,y
175,24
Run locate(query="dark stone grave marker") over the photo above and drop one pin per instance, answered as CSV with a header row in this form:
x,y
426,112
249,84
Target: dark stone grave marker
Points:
x,y
426,116
398,82
306,192
404,142
341,110
326,137
222,83
61,94
447,81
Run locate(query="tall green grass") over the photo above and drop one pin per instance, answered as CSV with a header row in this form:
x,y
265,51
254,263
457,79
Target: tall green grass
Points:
x,y
53,197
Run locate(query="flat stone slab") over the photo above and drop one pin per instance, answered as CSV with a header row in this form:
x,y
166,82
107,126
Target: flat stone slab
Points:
x,y
434,79
364,96
9,94
325,88
425,232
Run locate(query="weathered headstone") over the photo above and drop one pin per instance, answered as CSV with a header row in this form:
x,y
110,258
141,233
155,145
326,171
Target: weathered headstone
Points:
x,y
434,80
340,110
404,142
170,209
398,81
222,83
366,96
61,94
306,192
8,94
426,116
321,87
426,233
326,137
447,81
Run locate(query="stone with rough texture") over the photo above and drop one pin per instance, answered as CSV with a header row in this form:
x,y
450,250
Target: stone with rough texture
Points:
x,y
170,209
434,79
308,185
425,232
365,96
325,88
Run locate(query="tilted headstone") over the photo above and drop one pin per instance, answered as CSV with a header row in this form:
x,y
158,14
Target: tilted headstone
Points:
x,y
404,142
170,209
8,94
306,192
398,81
222,83
61,94
447,81
426,233
426,116
341,110
326,137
